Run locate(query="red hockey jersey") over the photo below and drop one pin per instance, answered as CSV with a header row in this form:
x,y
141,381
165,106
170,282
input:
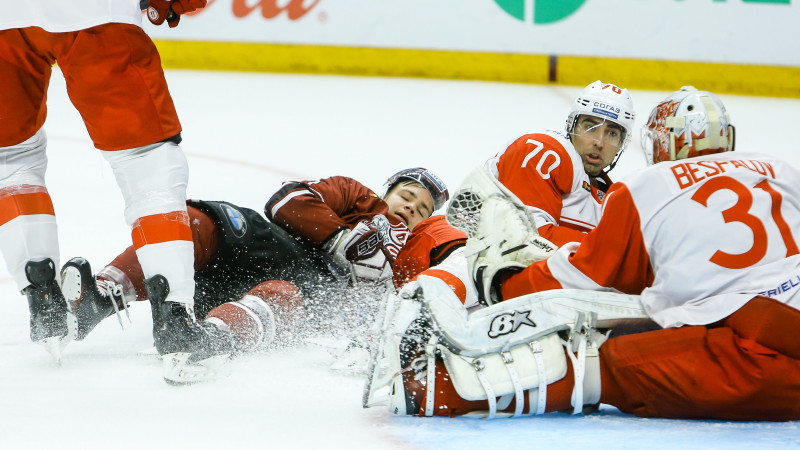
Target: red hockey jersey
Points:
x,y
545,171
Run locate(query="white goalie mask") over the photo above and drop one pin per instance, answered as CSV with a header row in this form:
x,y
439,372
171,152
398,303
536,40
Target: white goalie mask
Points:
x,y
687,123
609,103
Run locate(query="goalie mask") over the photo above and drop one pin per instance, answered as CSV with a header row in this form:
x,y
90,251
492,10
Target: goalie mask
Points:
x,y
609,103
687,123
433,184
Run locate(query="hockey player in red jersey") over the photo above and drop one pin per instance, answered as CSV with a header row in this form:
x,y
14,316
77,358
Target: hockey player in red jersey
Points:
x,y
706,239
256,279
114,79
562,179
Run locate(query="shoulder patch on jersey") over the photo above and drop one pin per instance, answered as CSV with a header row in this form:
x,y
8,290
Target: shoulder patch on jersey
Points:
x,y
236,219
587,187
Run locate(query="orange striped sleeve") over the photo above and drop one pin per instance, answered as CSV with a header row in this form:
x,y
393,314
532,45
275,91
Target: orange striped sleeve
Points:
x,y
158,228
613,255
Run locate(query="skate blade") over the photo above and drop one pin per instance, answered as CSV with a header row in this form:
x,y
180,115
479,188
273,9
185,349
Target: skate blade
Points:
x,y
53,346
179,371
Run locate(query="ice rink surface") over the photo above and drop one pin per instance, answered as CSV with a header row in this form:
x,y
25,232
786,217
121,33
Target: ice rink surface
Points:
x,y
244,134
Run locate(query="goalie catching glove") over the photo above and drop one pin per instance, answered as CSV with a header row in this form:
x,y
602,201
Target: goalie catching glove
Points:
x,y
362,252
502,233
171,10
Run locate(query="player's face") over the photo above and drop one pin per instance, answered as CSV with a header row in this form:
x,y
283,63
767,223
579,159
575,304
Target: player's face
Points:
x,y
412,203
597,141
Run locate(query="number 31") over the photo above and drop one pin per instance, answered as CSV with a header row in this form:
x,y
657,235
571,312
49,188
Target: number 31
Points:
x,y
739,213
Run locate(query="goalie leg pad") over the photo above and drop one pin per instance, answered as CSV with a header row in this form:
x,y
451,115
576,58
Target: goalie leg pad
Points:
x,y
524,367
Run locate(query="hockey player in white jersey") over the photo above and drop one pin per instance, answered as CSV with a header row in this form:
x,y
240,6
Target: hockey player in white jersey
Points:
x,y
707,240
115,80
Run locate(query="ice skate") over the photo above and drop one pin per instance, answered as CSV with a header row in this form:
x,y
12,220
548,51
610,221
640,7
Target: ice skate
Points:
x,y
91,300
191,351
52,325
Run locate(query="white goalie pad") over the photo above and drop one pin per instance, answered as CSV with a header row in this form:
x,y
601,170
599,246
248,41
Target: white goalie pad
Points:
x,y
507,349
383,372
513,348
530,370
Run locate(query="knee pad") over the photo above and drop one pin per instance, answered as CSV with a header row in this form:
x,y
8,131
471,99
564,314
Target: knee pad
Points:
x,y
152,179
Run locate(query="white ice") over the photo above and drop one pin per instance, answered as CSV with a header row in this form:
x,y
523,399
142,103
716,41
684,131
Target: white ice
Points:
x,y
244,134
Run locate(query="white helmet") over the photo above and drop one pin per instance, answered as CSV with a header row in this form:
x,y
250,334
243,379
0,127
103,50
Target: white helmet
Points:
x,y
687,123
606,101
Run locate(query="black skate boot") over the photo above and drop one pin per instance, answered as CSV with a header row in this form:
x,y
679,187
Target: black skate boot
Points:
x,y
192,351
91,300
51,323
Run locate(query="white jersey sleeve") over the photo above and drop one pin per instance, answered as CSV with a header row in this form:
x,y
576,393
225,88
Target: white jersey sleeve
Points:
x,y
68,15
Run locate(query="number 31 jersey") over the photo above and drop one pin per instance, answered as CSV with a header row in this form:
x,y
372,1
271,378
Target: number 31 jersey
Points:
x,y
698,238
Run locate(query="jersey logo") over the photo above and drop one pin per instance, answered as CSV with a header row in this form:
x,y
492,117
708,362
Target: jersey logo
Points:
x,y
587,187
394,236
509,322
236,219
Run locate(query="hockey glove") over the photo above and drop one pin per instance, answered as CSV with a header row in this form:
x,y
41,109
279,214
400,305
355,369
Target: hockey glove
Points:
x,y
171,10
362,251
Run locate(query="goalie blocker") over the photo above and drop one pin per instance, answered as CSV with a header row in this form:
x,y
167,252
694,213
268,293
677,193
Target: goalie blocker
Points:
x,y
525,356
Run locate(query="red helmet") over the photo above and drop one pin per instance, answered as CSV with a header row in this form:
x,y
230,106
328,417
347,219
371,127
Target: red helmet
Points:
x,y
687,123
433,184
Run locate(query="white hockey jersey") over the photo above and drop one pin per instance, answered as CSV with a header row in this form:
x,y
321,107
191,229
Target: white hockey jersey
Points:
x,y
698,238
545,171
67,15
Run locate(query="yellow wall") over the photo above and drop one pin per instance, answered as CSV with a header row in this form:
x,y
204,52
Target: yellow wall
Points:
x,y
516,68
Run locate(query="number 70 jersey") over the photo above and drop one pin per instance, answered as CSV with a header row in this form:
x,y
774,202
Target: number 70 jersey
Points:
x,y
698,238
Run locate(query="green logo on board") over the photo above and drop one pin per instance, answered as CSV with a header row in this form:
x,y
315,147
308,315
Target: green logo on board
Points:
x,y
542,11
549,11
